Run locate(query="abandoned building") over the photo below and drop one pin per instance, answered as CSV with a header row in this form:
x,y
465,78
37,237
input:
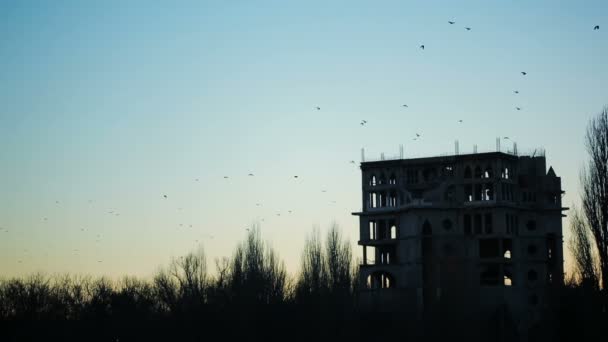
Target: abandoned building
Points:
x,y
478,231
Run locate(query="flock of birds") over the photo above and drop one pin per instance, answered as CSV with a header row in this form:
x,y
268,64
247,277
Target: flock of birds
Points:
x,y
422,46
318,108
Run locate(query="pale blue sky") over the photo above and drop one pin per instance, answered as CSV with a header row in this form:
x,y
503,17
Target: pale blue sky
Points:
x,y
118,104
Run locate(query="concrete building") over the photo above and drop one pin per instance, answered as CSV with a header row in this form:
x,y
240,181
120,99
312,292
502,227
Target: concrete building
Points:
x,y
475,231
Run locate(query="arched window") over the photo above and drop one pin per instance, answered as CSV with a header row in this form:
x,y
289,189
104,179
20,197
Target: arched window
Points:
x,y
392,179
478,172
393,232
488,172
372,180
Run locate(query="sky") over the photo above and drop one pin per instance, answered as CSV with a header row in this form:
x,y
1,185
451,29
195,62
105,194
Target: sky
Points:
x,y
107,106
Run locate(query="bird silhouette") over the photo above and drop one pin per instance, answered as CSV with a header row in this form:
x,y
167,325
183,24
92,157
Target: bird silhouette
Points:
x,y
597,27
250,175
318,108
467,28
225,177
506,138
518,108
452,22
524,73
352,161
295,176
516,91
460,121
417,135
422,46
165,196
405,106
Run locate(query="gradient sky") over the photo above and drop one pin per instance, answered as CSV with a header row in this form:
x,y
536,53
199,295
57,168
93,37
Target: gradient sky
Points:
x,y
106,106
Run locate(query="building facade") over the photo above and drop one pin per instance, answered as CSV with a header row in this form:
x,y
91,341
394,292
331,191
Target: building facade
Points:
x,y
475,231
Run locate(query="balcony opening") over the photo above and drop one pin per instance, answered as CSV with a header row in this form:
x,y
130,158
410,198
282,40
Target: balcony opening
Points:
x,y
380,280
372,230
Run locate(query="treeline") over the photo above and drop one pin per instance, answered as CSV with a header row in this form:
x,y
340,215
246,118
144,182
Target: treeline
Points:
x,y
249,292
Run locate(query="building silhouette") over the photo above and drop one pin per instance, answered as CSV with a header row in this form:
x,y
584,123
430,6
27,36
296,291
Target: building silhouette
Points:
x,y
477,232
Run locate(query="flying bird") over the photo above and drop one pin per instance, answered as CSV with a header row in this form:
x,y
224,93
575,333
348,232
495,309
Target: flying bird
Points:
x,y
518,108
506,138
295,176
524,73
516,91
460,121
452,22
597,27
352,161
468,28
318,108
250,175
422,46
225,177
417,135
165,196
405,106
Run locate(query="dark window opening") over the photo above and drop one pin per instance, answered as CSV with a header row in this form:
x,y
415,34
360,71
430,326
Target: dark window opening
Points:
x,y
489,248
467,224
477,224
478,192
488,224
490,276
532,249
426,228
478,172
467,172
447,224
532,275
531,225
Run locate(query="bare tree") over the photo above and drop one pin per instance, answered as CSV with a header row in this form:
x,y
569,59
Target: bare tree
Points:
x,y
594,179
257,275
312,282
582,250
339,261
